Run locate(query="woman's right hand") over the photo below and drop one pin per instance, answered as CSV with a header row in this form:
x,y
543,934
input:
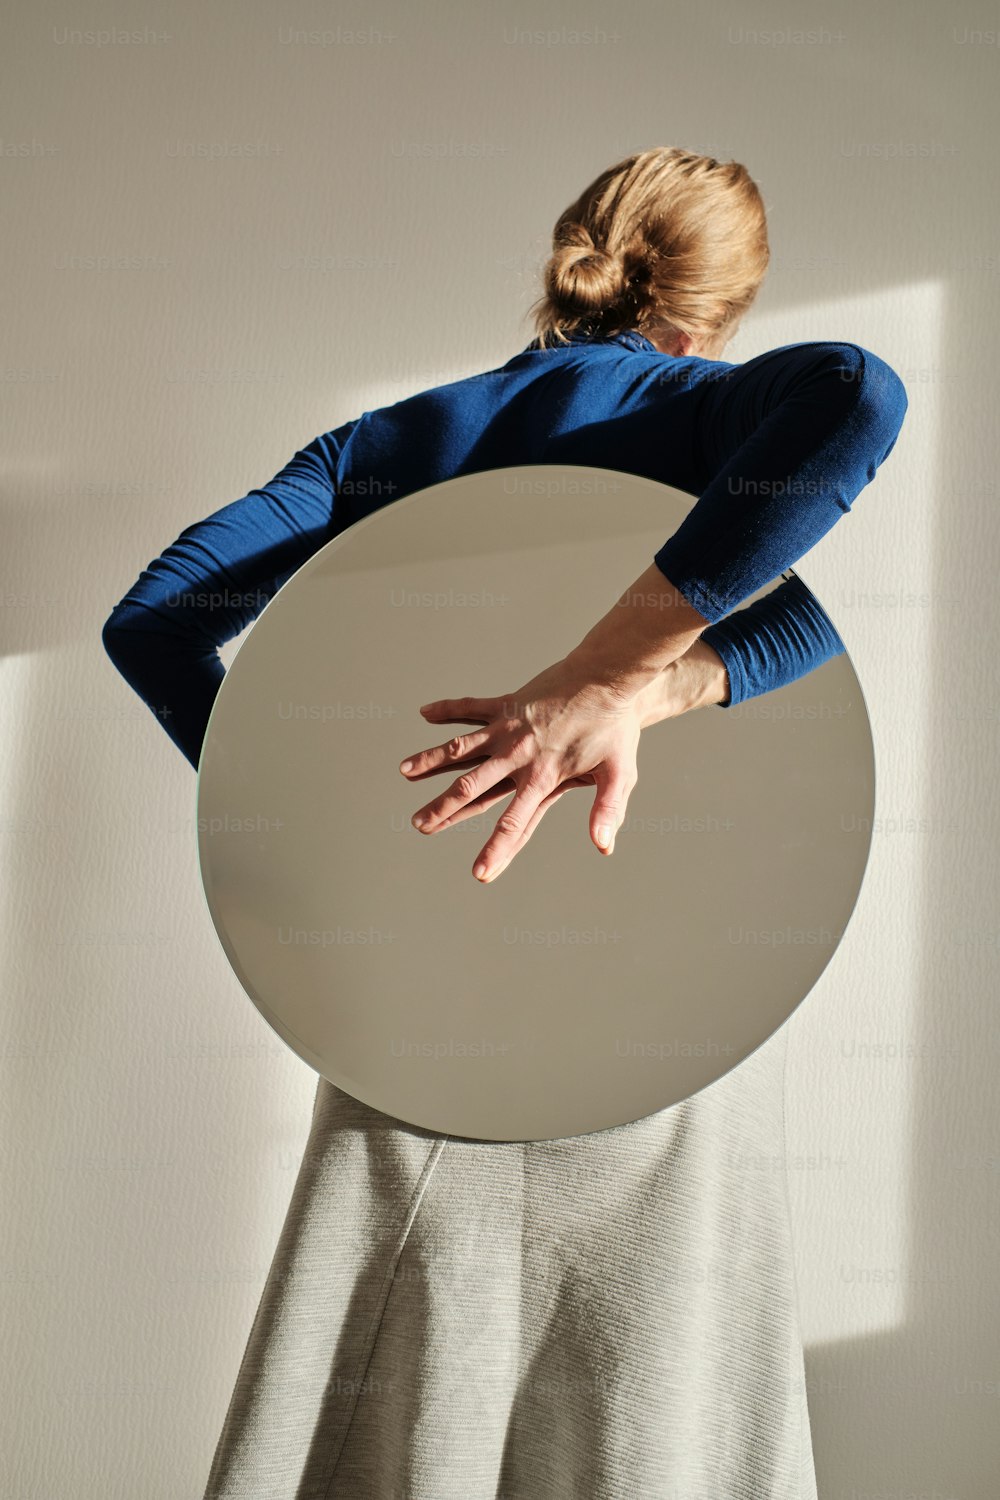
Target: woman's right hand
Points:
x,y
562,725
694,680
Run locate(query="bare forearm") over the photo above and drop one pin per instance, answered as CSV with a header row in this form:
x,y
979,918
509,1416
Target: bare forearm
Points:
x,y
778,638
649,627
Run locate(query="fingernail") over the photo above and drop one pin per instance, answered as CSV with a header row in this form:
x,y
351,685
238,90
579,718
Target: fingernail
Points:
x,y
407,765
603,835
479,870
420,822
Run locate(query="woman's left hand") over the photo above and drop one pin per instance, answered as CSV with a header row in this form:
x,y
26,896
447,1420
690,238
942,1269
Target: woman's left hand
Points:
x,y
561,729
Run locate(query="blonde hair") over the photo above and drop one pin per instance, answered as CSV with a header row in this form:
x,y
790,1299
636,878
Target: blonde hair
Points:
x,y
665,240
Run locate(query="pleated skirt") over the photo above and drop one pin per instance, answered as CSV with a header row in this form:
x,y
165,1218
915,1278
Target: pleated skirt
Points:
x,y
603,1317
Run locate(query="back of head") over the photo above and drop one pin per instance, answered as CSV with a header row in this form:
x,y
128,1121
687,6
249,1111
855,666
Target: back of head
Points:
x,y
663,242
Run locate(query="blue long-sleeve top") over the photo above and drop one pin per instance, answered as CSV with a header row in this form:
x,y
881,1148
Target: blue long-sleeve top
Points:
x,y
600,401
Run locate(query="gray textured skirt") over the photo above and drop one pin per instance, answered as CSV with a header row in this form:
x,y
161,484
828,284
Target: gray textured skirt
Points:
x,y
602,1317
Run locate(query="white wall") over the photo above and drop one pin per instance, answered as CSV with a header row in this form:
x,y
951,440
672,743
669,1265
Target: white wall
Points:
x,y
152,1122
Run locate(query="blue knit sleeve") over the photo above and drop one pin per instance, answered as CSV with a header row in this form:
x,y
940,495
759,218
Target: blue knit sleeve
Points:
x,y
208,585
775,640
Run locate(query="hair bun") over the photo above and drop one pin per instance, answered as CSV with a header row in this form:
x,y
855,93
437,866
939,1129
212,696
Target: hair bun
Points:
x,y
581,277
662,240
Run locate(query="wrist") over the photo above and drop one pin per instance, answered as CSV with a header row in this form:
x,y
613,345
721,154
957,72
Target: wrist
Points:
x,y
694,680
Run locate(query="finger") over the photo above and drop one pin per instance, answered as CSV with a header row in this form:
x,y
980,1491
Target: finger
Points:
x,y
462,710
454,752
504,789
469,718
536,818
509,833
473,760
469,785
615,780
479,804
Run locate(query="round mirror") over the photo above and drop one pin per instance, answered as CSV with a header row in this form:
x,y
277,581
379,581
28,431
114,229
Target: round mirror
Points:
x,y
576,991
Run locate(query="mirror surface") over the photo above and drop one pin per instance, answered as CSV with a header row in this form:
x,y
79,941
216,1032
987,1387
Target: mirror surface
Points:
x,y
576,991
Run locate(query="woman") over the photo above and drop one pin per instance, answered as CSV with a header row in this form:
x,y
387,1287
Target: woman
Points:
x,y
614,1314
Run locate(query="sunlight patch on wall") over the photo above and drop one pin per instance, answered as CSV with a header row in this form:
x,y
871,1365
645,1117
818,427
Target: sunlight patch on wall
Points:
x,y
854,1055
